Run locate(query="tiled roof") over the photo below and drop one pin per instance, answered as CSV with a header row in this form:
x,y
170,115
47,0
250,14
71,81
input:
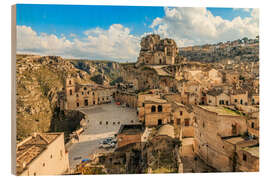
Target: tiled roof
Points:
x,y
30,148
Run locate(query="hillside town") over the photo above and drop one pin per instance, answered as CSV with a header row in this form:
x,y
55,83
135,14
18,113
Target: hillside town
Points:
x,y
174,110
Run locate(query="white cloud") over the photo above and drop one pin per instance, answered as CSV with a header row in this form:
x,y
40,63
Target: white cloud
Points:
x,y
243,9
28,40
115,43
194,26
187,26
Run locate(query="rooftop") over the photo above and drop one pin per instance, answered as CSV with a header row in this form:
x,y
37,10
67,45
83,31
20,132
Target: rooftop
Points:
x,y
31,147
131,129
159,70
220,110
151,99
235,140
254,150
166,130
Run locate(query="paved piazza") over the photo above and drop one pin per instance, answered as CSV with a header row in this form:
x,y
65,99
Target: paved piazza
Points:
x,y
102,121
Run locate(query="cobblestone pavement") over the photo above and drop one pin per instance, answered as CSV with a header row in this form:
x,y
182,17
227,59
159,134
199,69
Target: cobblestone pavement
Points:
x,y
102,121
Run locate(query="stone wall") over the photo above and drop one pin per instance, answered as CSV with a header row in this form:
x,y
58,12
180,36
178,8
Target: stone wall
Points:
x,y
52,161
209,130
129,99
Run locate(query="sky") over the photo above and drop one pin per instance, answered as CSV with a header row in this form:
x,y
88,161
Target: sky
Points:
x,y
114,32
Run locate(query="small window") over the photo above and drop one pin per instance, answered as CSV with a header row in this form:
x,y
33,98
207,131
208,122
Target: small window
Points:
x,y
107,122
252,125
153,109
181,113
77,95
82,93
203,125
186,122
100,122
70,82
85,88
142,104
78,104
35,174
70,92
43,164
159,108
244,157
51,156
235,100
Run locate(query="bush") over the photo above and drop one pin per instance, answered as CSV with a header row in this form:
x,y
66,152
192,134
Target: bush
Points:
x,y
117,80
98,79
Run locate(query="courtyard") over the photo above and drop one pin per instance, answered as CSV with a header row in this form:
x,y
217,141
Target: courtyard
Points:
x,y
102,121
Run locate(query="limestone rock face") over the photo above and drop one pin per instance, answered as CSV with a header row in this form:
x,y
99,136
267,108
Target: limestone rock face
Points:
x,y
38,81
157,51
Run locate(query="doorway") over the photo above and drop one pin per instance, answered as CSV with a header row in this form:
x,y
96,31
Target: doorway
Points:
x,y
86,102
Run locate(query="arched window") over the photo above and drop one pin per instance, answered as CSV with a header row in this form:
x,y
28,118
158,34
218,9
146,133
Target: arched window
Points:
x,y
153,108
252,125
70,92
159,108
70,82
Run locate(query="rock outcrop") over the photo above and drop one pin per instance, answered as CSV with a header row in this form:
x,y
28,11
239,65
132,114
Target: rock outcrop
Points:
x,y
40,78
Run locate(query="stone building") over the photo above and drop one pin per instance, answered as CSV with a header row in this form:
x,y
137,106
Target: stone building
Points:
x,y
155,112
183,116
255,99
216,97
213,124
129,134
127,98
157,51
253,124
42,154
239,97
77,95
248,159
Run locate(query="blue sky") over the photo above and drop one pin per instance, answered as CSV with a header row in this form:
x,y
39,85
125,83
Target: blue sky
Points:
x,y
66,19
77,18
68,24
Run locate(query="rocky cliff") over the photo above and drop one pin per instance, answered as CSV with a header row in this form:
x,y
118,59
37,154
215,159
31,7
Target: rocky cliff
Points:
x,y
39,78
237,50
